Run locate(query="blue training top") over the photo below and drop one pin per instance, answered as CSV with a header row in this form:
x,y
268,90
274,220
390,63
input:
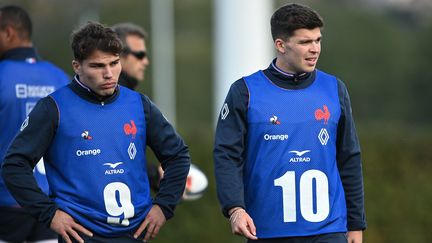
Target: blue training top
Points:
x,y
22,84
291,179
96,164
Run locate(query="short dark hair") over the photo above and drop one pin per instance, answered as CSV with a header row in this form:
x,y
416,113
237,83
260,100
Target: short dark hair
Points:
x,y
94,36
292,17
18,18
125,29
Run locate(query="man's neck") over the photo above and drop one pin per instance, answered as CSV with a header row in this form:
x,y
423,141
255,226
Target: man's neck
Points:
x,y
20,54
128,81
280,66
19,43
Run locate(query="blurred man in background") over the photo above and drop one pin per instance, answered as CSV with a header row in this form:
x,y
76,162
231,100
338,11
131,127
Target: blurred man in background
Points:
x,y
287,157
134,60
24,79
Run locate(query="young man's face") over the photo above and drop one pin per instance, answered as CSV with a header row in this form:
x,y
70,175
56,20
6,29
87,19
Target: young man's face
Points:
x,y
300,52
134,63
100,72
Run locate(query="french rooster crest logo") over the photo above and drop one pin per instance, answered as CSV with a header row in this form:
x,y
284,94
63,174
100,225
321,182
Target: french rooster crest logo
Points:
x,y
322,114
130,129
86,135
274,120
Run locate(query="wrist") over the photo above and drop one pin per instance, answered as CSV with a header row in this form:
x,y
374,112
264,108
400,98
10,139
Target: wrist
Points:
x,y
234,210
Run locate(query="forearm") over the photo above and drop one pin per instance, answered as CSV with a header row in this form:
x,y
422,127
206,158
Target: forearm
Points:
x,y
230,146
352,181
349,164
173,182
18,177
28,147
172,153
229,184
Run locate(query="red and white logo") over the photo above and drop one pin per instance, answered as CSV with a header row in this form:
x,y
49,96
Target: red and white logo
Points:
x,y
274,120
196,184
86,135
130,129
322,114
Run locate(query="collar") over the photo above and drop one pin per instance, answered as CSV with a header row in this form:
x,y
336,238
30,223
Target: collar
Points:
x,y
86,93
288,80
27,54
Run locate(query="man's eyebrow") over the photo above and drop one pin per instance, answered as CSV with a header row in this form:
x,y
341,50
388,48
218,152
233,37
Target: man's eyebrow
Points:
x,y
97,64
116,60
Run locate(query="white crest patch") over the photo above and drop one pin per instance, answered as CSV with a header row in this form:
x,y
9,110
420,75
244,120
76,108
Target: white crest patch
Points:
x,y
132,151
24,124
323,136
224,111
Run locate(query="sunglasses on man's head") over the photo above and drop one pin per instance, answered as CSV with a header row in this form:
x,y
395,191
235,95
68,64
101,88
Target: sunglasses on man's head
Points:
x,y
138,54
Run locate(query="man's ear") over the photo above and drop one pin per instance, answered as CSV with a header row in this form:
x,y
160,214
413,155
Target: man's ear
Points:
x,y
9,33
76,65
280,45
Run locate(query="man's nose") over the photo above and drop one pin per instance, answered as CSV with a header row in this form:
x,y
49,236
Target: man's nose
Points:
x,y
145,61
316,47
108,73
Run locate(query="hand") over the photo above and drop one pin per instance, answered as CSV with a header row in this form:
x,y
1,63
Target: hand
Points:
x,y
355,236
64,225
154,220
242,224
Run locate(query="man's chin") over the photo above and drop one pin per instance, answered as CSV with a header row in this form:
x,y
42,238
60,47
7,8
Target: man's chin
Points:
x,y
309,69
104,93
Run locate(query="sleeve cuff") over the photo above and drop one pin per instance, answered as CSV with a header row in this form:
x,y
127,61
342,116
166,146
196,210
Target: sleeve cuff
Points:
x,y
354,226
47,217
226,209
166,210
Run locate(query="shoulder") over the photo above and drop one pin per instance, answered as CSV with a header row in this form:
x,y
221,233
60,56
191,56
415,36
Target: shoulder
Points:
x,y
254,74
337,81
61,90
148,105
239,87
49,65
54,69
45,107
322,74
125,90
145,99
63,94
341,85
6,65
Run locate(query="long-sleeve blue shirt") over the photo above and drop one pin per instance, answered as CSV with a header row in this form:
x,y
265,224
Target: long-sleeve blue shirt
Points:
x,y
230,145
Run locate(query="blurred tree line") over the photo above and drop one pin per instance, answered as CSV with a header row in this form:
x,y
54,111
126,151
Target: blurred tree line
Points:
x,y
382,54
